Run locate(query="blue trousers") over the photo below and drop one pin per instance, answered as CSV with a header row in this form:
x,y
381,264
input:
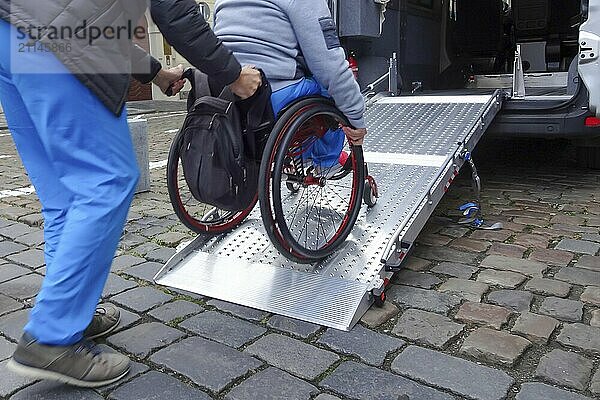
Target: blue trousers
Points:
x,y
325,152
80,159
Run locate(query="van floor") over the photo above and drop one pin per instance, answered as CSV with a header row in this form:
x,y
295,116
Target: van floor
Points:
x,y
530,91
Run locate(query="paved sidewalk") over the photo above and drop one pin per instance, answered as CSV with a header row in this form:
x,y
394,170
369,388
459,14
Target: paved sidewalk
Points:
x,y
475,315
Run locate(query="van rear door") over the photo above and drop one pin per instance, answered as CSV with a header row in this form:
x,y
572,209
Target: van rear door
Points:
x,y
589,62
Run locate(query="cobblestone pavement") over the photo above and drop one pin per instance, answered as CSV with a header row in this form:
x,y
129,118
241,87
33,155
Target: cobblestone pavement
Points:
x,y
476,314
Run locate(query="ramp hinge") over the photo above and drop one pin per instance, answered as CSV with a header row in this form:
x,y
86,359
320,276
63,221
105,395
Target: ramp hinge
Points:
x,y
394,262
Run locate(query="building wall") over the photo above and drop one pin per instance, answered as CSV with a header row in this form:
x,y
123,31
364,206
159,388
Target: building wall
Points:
x,y
159,49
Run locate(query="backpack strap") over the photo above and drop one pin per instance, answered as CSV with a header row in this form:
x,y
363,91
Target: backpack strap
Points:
x,y
260,112
200,86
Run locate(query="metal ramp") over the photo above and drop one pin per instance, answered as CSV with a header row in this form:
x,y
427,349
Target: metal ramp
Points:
x,y
415,148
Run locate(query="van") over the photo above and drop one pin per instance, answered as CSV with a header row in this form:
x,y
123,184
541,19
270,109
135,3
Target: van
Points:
x,y
542,54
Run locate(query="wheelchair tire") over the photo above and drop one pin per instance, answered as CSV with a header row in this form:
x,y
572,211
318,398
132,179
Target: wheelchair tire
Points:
x,y
289,137
198,217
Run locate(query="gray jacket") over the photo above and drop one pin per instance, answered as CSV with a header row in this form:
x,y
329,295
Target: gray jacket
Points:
x,y
289,39
106,66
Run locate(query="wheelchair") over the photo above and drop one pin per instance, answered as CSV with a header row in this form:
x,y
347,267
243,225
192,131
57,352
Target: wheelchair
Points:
x,y
308,209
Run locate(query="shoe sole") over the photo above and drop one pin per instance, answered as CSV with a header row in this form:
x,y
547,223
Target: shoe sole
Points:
x,y
38,373
106,332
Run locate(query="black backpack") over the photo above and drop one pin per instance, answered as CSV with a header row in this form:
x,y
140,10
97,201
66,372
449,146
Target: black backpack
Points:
x,y
223,142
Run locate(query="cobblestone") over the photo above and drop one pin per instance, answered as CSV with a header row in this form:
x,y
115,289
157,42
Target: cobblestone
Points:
x,y
536,328
525,267
517,300
481,313
427,300
325,396
156,385
595,384
417,264
452,373
12,324
565,368
294,326
468,244
161,254
493,236
591,295
417,279
359,381
292,355
494,346
580,336
595,318
222,328
552,257
47,390
578,276
589,262
127,319
239,311
115,284
445,254
208,364
24,287
455,270
10,381
145,271
11,271
538,391
7,247
469,290
371,347
142,339
578,246
32,258
377,316
431,239
177,309
15,230
563,309
125,261
6,348
503,279
8,304
507,250
142,298
531,240
273,383
548,287
426,327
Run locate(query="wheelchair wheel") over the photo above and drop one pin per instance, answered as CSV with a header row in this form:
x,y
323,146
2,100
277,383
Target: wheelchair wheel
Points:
x,y
309,224
199,217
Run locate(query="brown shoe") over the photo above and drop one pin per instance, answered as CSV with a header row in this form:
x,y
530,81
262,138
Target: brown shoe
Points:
x,y
105,320
82,364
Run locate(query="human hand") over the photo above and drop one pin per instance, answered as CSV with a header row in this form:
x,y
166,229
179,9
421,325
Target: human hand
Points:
x,y
356,136
169,80
247,83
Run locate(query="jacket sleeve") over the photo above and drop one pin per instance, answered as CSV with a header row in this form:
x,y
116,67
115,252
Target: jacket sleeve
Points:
x,y
317,37
185,29
144,66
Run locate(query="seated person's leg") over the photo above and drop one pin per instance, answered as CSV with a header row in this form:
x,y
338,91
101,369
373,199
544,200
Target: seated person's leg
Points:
x,y
326,153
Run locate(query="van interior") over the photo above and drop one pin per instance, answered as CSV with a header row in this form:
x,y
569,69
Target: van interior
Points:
x,y
469,45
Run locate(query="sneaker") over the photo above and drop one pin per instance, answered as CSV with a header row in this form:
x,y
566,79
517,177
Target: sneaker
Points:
x,y
82,364
105,320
